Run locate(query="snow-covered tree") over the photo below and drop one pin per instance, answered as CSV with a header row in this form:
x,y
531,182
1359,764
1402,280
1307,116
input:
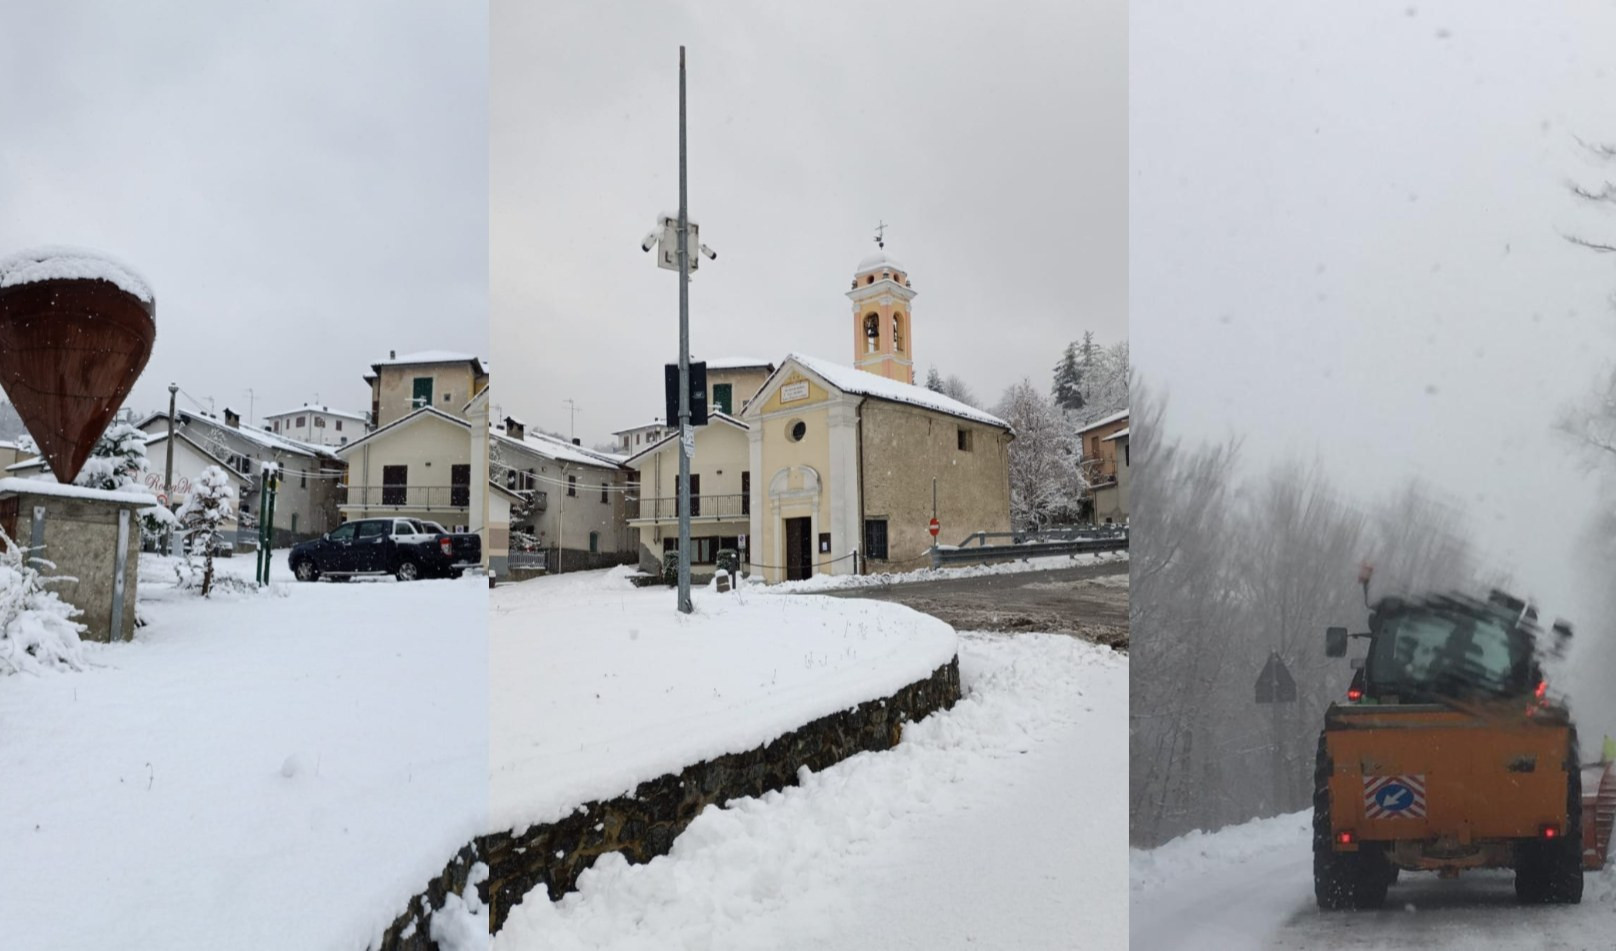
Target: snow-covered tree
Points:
x,y
956,388
37,630
1068,386
206,508
934,380
1104,380
1046,481
117,460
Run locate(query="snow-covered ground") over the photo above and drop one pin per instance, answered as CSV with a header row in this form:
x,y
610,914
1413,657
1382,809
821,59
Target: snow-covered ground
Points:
x,y
998,824
1042,563
269,770
1251,886
598,685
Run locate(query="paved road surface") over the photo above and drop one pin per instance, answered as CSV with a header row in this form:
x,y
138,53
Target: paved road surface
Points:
x,y
1087,601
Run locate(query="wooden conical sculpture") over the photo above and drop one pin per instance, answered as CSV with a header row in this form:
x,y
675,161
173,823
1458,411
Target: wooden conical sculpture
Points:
x,y
76,329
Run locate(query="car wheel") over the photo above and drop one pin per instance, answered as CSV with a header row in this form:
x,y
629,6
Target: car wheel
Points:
x,y
408,571
305,570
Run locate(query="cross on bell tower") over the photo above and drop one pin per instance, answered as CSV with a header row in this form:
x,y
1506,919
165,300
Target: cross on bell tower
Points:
x,y
881,297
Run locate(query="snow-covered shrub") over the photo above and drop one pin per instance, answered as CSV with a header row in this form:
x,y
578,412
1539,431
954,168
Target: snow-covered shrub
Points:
x,y
37,630
210,502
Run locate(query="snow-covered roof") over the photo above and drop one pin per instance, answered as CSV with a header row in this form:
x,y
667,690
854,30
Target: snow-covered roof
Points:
x,y
1119,434
738,363
860,382
673,436
51,487
1103,421
878,260
314,408
558,449
260,436
56,262
431,356
651,425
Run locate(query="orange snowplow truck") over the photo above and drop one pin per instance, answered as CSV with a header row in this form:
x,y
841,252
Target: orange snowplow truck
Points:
x,y
1448,755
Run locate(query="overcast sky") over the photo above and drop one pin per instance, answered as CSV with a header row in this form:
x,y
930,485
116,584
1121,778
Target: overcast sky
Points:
x,y
303,184
1346,242
993,146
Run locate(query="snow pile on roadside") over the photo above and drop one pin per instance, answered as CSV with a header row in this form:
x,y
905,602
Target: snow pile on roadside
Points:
x,y
1198,854
1042,563
249,773
598,686
911,847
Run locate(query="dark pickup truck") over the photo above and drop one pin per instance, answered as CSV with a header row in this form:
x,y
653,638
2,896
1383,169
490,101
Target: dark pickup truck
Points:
x,y
405,548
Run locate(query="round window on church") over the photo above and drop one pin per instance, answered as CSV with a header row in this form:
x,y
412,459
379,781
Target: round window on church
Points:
x,y
796,429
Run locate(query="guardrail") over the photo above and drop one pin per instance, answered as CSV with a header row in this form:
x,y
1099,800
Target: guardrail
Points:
x,y
1047,535
1033,549
528,561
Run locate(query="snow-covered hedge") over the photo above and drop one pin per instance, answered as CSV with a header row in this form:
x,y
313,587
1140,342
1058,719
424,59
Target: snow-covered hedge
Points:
x,y
37,630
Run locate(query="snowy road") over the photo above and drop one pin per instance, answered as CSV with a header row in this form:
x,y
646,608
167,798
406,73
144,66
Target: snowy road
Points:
x,y
999,824
1251,887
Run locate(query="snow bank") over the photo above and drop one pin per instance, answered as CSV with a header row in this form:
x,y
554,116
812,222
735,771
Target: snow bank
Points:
x,y
598,686
282,769
1196,855
1042,563
996,824
60,490
37,630
55,262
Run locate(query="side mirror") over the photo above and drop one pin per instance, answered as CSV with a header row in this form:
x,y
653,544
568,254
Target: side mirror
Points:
x,y
1335,642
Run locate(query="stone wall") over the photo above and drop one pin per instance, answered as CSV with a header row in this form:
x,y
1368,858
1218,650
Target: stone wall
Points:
x,y
643,825
411,931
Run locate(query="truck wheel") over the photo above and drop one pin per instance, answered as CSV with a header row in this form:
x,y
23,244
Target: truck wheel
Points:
x,y
1550,871
305,570
1343,880
408,571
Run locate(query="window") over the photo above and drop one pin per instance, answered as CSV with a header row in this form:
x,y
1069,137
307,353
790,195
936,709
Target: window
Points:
x,y
448,397
603,496
345,440
594,543
722,396
300,420
395,484
572,486
897,331
420,394
343,532
872,332
294,524
303,480
964,437
372,528
339,427
695,495
319,422
460,484
746,493
796,429
277,425
875,538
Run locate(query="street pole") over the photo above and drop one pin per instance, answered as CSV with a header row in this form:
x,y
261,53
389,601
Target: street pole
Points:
x,y
684,359
168,465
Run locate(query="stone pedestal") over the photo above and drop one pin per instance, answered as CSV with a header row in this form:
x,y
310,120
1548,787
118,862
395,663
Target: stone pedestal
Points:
x,y
92,536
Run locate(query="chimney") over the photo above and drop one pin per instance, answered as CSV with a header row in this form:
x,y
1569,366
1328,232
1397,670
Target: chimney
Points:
x,y
514,429
576,441
231,418
392,354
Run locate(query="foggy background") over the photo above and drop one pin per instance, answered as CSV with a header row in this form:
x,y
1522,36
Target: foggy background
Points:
x,y
1349,269
304,185
993,147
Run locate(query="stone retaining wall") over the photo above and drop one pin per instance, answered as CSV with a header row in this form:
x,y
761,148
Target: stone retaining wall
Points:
x,y
411,931
643,825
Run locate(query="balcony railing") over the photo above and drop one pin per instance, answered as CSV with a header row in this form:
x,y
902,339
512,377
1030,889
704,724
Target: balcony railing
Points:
x,y
713,507
421,498
518,480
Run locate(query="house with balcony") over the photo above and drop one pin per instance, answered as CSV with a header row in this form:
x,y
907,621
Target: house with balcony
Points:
x,y
1104,447
418,466
318,425
574,501
720,495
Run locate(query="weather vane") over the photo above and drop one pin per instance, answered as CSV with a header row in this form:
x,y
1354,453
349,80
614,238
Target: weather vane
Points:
x,y
880,235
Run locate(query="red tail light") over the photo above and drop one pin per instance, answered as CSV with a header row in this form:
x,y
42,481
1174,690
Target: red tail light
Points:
x,y
1354,694
1542,689
1550,831
1345,837
446,546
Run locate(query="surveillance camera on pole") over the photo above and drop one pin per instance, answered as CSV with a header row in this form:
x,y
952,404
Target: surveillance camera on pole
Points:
x,y
675,236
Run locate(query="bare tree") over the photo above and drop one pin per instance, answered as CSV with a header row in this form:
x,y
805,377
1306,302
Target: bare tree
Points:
x,y
1046,480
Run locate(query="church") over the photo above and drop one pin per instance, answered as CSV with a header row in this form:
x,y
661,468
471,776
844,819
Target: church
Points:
x,y
835,469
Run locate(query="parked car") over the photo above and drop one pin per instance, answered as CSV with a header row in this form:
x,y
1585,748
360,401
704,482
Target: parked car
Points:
x,y
405,548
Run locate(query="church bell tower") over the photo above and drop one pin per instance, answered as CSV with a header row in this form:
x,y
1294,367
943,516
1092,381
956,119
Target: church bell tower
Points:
x,y
881,296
